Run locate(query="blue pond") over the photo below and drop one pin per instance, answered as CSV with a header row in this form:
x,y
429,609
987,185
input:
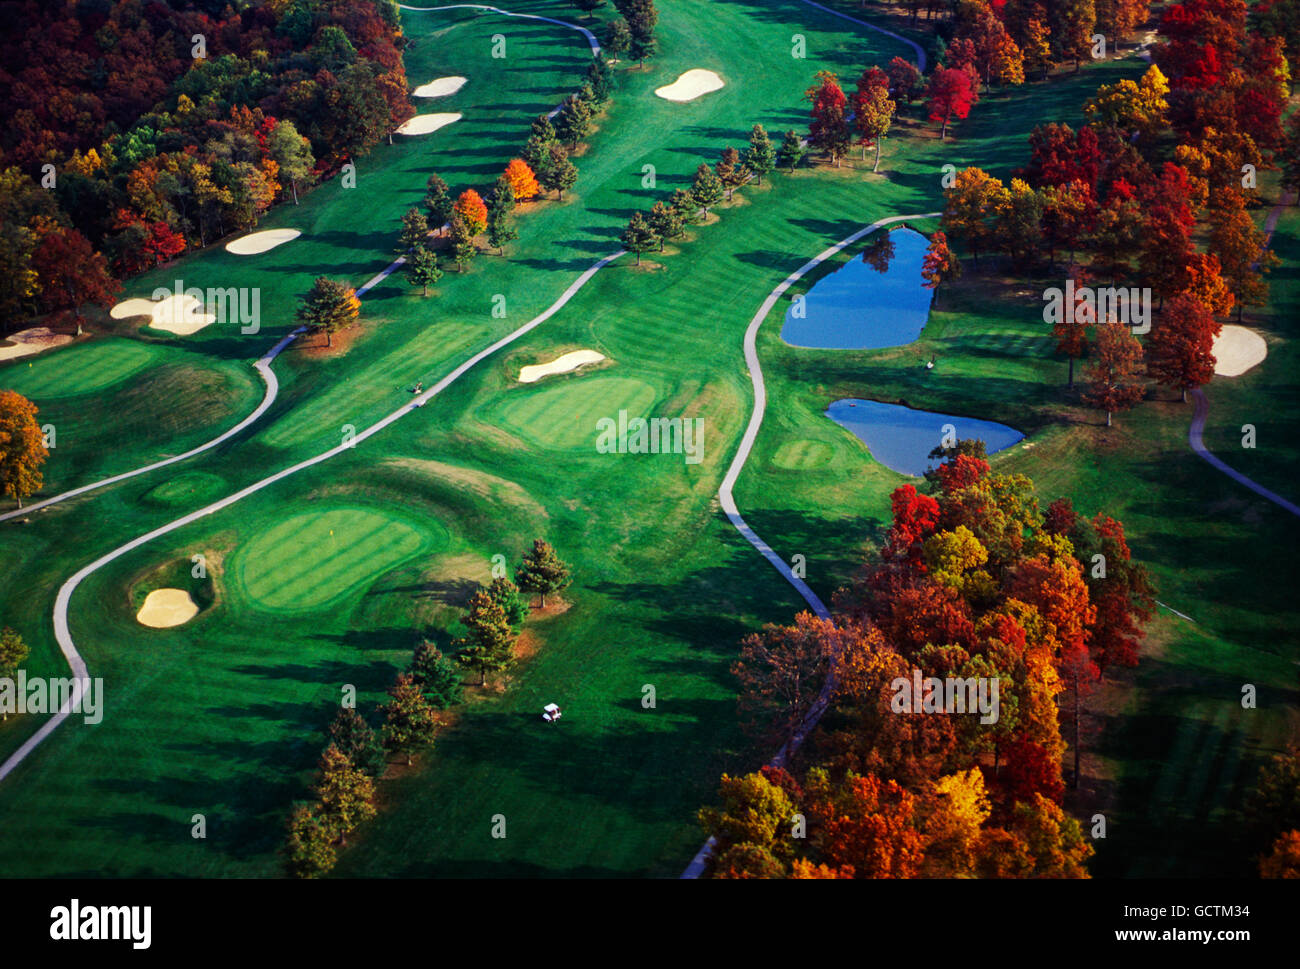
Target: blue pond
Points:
x,y
902,439
861,307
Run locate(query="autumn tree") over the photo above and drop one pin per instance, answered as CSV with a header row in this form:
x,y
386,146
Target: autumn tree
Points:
x,y
972,202
488,643
1071,330
873,111
357,741
523,183
904,80
473,210
731,171
752,826
939,265
542,572
782,671
344,792
13,654
1239,245
950,96
1180,350
329,306
1111,377
71,274
22,447
309,850
828,131
409,722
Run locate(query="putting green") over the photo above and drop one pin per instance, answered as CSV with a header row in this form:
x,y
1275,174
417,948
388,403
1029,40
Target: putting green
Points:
x,y
79,370
565,416
312,559
189,487
802,455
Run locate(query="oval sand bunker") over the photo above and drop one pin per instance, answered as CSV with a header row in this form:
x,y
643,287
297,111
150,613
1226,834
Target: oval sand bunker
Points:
x,y
570,361
164,608
1236,350
181,315
33,340
255,242
440,88
423,124
691,85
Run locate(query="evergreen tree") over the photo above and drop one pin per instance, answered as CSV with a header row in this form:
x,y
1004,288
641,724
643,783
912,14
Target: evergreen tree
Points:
x,y
488,644
617,37
438,201
638,237
499,230
760,156
415,230
667,223
462,242
409,722
573,123
600,78
542,572
558,173
731,171
329,306
357,740
436,676
791,151
707,188
422,267
507,595
683,203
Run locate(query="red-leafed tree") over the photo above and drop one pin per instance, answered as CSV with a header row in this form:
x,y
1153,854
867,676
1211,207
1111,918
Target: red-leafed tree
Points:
x,y
951,96
939,265
1180,350
915,518
72,274
1112,376
829,131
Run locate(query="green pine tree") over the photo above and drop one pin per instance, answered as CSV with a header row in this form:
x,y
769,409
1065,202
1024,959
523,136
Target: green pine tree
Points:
x,y
438,201
760,156
638,237
409,721
558,174
502,203
415,230
707,189
358,742
436,676
573,123
667,223
422,267
345,792
488,644
542,572
791,151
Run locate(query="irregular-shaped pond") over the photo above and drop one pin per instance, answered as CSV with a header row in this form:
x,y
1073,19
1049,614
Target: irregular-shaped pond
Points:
x,y
902,438
875,300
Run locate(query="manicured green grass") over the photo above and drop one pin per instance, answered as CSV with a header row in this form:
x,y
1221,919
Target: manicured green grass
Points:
x,y
186,489
226,715
311,559
82,369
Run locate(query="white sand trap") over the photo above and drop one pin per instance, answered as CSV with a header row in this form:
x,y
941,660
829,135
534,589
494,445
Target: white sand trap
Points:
x,y
34,340
181,315
691,85
255,242
570,361
423,124
1236,350
167,607
440,88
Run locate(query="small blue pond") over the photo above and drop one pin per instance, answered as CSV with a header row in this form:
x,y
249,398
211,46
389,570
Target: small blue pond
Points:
x,y
902,439
875,300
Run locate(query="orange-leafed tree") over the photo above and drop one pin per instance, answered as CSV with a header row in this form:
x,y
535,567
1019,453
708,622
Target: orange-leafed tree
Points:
x,y
473,210
782,671
940,265
1112,377
1180,350
523,183
866,823
22,447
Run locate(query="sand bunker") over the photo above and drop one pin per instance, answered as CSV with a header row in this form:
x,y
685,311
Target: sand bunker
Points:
x,y
181,315
690,86
440,88
34,340
167,607
1236,350
255,242
423,124
570,361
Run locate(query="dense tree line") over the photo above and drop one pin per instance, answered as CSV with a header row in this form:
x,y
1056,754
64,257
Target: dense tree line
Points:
x,y
157,144
974,580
